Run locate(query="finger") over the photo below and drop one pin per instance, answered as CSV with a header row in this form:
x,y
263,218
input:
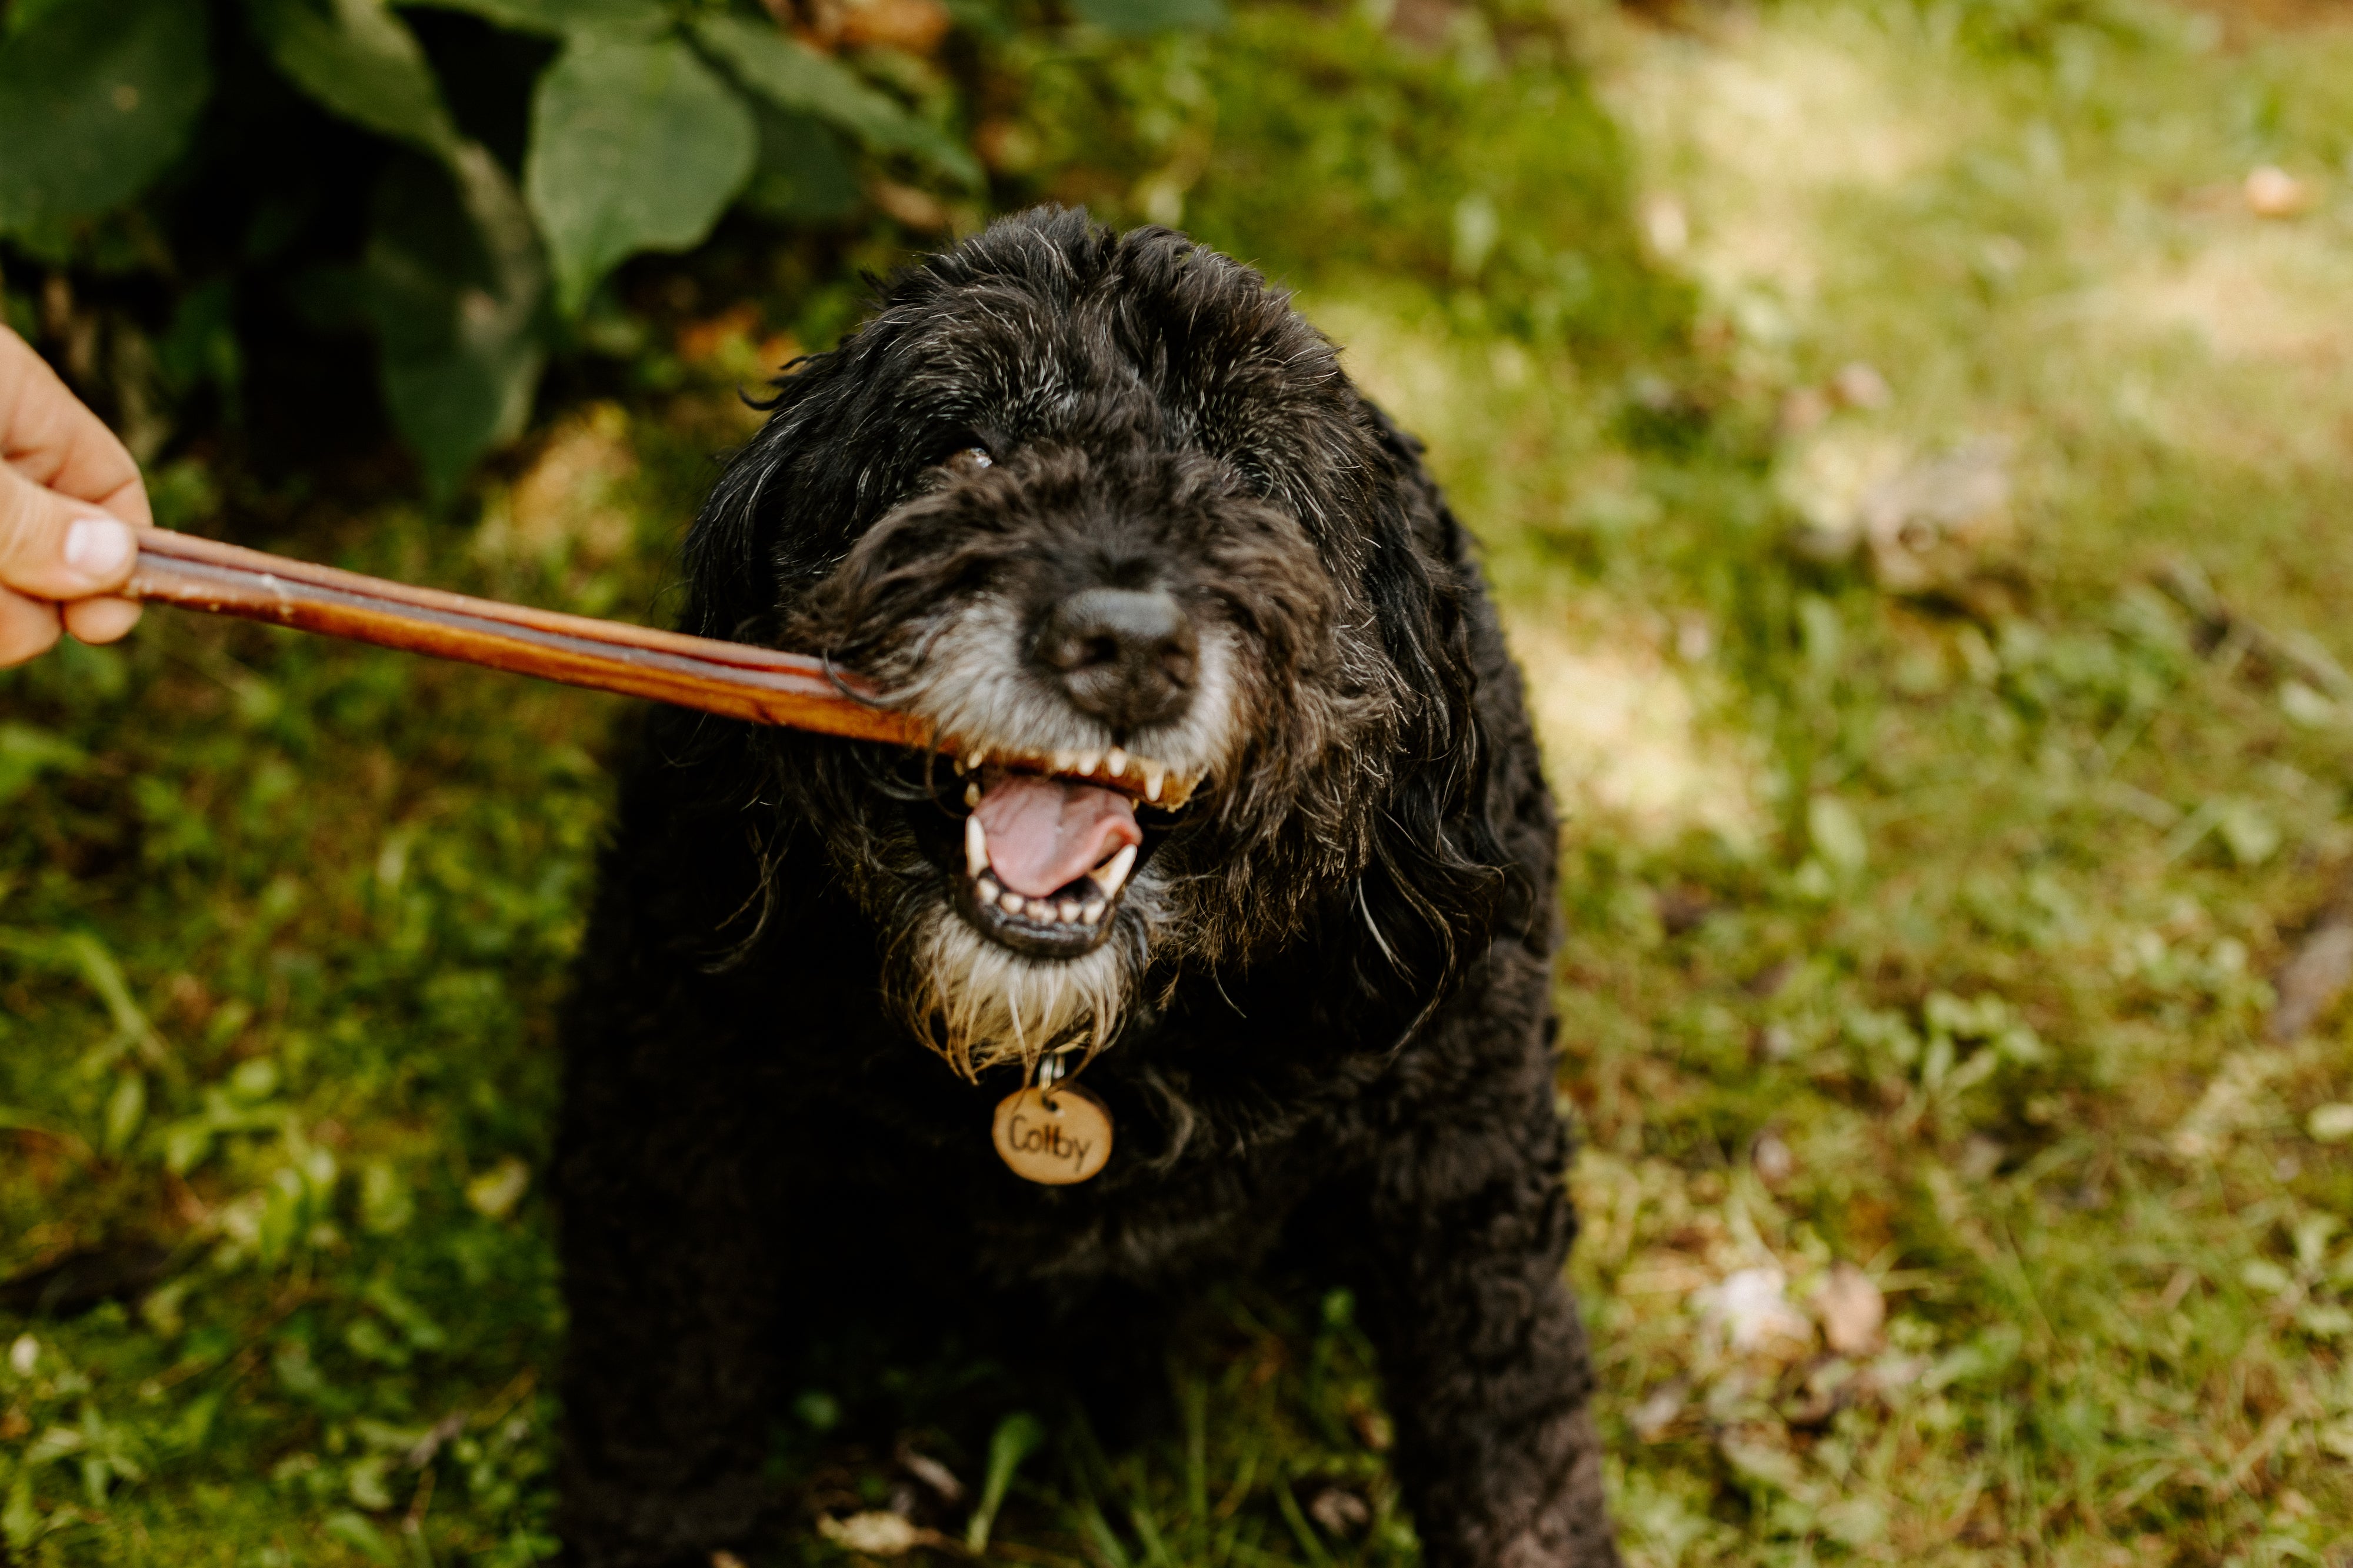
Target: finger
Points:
x,y
53,548
27,627
101,620
48,435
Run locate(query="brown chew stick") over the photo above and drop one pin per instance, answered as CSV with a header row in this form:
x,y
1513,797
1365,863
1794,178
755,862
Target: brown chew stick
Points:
x,y
763,685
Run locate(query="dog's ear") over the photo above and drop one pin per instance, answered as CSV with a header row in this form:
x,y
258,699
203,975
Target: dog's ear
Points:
x,y
739,556
1438,879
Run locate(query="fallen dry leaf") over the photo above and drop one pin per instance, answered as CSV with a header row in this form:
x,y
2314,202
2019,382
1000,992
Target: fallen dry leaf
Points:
x,y
1926,527
918,209
1860,386
876,1534
931,1472
2330,1123
1803,411
1921,524
915,26
1340,1511
1751,1309
2313,979
1851,1310
709,338
1665,225
2273,192
1658,1412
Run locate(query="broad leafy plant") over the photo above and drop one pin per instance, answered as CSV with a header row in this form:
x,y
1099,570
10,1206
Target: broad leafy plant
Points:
x,y
456,178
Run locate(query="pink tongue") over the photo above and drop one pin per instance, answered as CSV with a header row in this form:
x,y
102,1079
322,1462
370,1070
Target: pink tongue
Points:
x,y
1044,833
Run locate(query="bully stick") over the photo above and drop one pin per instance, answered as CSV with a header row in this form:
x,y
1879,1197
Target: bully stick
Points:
x,y
763,685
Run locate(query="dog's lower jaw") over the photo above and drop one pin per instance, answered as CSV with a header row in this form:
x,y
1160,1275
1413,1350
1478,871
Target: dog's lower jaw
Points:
x,y
981,1004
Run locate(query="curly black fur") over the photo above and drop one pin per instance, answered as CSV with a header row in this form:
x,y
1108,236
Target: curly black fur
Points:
x,y
1324,996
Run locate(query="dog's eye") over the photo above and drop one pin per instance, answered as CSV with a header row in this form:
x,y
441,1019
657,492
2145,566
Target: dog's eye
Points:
x,y
970,459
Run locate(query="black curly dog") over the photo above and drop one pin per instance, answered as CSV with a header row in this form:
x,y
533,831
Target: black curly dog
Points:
x,y
1082,499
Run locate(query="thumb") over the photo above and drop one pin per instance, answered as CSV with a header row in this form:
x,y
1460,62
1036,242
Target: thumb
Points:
x,y
53,547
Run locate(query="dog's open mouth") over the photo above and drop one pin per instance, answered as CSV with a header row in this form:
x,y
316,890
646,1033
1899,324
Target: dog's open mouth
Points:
x,y
1047,857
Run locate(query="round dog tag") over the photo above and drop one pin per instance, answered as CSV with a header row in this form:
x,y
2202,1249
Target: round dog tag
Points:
x,y
1053,1136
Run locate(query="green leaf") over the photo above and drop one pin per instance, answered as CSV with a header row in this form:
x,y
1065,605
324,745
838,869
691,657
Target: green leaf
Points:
x,y
359,60
1015,1437
185,1145
96,101
558,18
1134,18
422,1331
804,174
356,1531
2249,835
1837,834
387,1205
793,76
23,13
634,146
455,282
26,754
20,1521
125,1109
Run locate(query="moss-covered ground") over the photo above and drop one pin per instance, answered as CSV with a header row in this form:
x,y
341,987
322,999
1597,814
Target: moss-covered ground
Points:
x,y
1920,478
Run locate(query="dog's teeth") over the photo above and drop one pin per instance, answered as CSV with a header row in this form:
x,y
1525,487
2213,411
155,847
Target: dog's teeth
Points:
x,y
957,764
1068,908
1115,761
975,847
1084,761
1111,877
986,892
1042,908
1155,775
972,793
1093,910
975,759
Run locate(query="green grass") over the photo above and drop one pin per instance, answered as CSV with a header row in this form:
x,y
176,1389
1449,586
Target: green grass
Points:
x,y
1926,934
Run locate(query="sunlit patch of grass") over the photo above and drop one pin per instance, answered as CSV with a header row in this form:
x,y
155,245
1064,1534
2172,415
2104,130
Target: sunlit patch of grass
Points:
x,y
1629,749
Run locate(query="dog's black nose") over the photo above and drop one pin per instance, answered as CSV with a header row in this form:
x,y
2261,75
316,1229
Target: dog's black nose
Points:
x,y
1128,657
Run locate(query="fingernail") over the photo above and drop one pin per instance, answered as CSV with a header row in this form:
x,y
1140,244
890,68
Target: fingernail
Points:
x,y
98,546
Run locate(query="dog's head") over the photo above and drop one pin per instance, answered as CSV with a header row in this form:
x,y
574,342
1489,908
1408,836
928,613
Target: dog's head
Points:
x,y
1105,504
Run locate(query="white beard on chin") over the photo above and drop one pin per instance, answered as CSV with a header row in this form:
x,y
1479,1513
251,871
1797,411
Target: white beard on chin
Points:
x,y
981,1004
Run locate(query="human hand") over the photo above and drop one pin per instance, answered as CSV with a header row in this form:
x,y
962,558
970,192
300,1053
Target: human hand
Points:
x,y
66,488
